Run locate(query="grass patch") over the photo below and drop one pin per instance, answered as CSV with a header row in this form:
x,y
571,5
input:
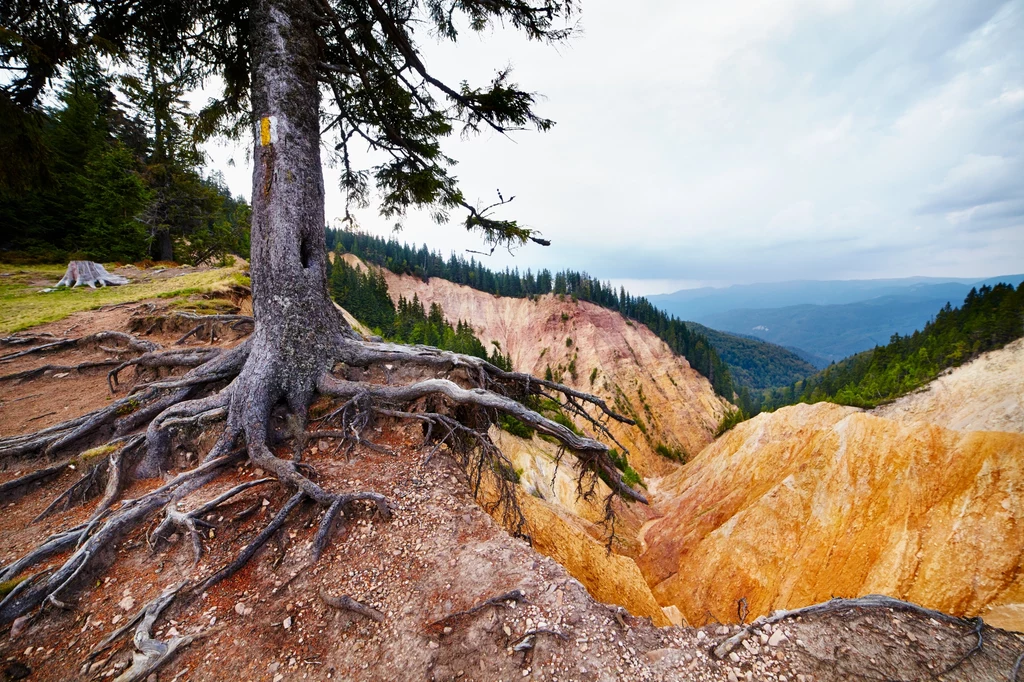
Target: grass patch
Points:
x,y
507,472
561,418
629,475
669,452
731,419
7,586
23,306
515,427
95,453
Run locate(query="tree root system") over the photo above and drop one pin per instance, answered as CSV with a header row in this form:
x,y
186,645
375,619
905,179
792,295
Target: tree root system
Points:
x,y
262,405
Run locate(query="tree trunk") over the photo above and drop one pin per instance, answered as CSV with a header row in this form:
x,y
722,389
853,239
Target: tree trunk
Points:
x,y
297,327
163,247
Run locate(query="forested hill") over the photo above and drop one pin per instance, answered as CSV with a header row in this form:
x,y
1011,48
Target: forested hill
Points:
x,y
407,260
755,364
989,318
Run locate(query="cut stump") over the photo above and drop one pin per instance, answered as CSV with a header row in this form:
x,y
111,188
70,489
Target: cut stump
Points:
x,y
87,272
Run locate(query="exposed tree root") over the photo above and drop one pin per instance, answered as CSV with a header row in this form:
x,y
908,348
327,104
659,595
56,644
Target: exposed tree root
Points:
x,y
346,603
868,602
81,488
39,371
250,549
185,357
6,489
27,339
151,653
196,325
207,325
500,601
133,436
527,639
131,344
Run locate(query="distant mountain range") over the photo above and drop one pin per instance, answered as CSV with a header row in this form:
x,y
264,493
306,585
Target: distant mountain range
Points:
x,y
823,320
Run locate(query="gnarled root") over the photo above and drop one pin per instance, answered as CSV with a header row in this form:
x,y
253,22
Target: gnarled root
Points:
x,y
151,653
246,387
130,344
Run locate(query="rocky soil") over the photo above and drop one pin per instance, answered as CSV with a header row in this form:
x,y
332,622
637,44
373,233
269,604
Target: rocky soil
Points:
x,y
460,600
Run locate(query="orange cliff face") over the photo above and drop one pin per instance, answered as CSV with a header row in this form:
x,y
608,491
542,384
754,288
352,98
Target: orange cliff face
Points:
x,y
632,369
635,373
815,501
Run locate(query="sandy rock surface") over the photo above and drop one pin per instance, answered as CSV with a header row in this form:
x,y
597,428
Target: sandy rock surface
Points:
x,y
814,501
676,405
986,394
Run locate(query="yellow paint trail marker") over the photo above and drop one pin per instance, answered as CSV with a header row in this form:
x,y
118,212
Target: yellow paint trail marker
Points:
x,y
268,130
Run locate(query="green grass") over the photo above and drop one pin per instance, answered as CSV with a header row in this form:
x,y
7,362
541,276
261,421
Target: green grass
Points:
x,y
669,452
23,306
515,427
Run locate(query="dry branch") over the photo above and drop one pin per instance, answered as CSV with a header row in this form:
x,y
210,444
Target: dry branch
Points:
x,y
868,602
347,603
501,600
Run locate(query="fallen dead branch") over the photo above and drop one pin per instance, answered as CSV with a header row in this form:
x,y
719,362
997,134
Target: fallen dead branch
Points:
x,y
346,603
867,603
502,601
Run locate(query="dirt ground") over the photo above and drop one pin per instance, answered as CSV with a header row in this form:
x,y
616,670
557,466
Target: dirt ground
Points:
x,y
440,554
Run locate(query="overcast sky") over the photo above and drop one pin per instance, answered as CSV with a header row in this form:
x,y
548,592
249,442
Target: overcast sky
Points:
x,y
746,141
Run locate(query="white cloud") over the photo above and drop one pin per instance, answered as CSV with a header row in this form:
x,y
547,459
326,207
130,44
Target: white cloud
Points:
x,y
748,140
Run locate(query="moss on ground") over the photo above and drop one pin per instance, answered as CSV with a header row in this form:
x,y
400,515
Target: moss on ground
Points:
x,y
23,306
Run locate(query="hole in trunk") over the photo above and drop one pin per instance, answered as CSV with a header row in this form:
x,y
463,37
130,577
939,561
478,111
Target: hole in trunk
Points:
x,y
305,253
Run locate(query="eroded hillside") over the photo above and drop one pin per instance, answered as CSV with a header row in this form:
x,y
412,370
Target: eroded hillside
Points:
x,y
786,510
986,394
595,350
815,501
442,577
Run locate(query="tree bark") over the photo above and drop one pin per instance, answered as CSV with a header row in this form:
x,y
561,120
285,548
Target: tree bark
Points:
x,y
163,247
297,327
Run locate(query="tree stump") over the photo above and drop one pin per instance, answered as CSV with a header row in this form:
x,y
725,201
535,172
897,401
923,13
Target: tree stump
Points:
x,y
89,273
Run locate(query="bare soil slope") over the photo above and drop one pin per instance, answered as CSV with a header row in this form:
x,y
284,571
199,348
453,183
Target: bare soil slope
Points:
x,y
427,570
632,368
986,394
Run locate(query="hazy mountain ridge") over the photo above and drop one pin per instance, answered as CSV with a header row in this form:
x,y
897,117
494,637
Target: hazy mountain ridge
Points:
x,y
830,319
833,332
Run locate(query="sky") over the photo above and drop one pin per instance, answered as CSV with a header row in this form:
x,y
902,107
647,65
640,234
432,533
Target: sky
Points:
x,y
748,141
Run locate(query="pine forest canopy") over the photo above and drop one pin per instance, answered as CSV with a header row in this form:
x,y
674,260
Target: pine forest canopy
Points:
x,y
119,180
362,53
291,69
